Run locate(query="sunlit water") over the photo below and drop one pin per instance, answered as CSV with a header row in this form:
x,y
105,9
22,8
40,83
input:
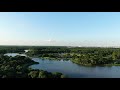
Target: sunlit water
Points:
x,y
14,54
73,70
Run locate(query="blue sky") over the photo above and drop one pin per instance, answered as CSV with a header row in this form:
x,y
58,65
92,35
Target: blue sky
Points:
x,y
60,28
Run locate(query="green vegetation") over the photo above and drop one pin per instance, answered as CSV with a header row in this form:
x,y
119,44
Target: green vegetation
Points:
x,y
12,49
44,74
17,67
83,56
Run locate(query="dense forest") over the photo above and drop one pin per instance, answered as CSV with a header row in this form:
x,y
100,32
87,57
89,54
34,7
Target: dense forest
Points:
x,y
79,55
18,66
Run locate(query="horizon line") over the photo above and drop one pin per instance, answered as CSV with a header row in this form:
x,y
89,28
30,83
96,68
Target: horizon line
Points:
x,y
63,46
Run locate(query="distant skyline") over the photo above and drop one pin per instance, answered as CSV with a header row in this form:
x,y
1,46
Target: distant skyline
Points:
x,y
60,28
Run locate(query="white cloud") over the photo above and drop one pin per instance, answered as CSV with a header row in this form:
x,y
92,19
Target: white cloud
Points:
x,y
50,41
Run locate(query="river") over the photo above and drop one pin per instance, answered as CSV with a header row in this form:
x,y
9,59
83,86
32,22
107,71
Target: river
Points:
x,y
73,70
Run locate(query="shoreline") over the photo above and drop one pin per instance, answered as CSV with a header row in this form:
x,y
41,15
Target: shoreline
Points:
x,y
87,65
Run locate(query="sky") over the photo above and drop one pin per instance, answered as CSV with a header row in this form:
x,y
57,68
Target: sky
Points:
x,y
60,28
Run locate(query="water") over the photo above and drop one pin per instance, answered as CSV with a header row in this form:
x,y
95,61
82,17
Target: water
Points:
x,y
75,71
26,50
14,54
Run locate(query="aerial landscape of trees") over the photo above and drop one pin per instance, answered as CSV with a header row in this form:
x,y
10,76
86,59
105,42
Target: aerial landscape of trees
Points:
x,y
18,66
80,55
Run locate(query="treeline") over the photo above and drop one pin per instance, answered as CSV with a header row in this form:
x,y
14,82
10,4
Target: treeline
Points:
x,y
18,67
20,49
12,49
48,50
44,74
79,55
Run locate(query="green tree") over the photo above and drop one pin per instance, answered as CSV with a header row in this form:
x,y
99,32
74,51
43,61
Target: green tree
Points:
x,y
42,74
33,74
63,76
57,75
114,56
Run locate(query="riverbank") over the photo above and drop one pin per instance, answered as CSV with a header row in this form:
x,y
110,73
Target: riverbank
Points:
x,y
87,65
77,71
90,65
57,59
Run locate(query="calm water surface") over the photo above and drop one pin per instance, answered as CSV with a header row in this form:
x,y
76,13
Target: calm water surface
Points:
x,y
73,70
